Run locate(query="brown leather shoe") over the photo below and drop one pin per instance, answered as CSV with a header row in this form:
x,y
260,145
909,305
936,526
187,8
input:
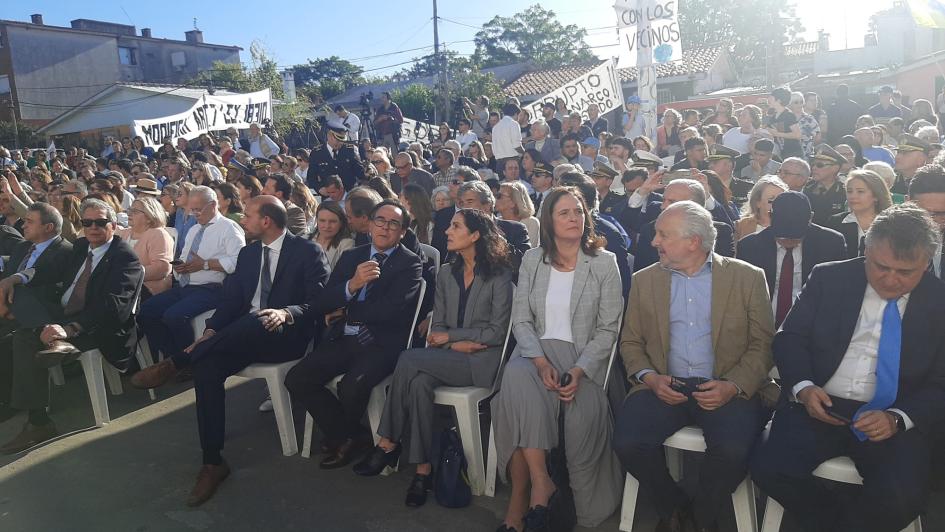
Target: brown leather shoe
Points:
x,y
208,480
58,353
154,376
343,455
30,435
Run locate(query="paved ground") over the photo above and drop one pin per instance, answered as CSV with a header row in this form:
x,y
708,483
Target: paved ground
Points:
x,y
134,475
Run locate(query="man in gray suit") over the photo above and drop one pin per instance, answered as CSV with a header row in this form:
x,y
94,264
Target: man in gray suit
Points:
x,y
548,147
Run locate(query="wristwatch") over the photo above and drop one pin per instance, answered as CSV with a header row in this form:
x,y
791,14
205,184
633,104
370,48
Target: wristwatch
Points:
x,y
900,422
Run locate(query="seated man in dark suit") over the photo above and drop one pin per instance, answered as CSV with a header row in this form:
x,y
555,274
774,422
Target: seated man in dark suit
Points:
x,y
102,279
267,313
680,190
862,361
370,302
789,248
34,266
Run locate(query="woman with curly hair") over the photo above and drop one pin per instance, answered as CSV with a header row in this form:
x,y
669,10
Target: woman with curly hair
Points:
x,y
470,318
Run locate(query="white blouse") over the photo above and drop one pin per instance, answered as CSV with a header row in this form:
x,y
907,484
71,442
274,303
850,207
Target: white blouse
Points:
x,y
557,307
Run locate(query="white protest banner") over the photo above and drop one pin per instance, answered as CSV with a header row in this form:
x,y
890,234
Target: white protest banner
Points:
x,y
209,113
649,32
600,86
416,131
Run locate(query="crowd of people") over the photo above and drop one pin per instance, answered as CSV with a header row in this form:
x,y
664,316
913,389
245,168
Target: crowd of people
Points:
x,y
771,270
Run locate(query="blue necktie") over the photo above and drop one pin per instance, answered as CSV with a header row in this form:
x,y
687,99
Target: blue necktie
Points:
x,y
185,277
887,365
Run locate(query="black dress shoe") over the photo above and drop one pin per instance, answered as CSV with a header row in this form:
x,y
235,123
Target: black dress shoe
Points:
x,y
343,455
681,521
505,528
57,354
417,492
376,460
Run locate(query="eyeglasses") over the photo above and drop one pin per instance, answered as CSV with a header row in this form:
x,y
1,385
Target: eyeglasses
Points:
x,y
456,182
196,212
393,225
401,167
376,161
824,165
101,223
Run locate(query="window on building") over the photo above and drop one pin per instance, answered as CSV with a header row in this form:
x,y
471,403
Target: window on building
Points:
x,y
663,96
127,56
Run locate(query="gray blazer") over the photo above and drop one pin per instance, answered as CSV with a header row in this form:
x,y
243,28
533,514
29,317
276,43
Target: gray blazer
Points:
x,y
550,150
485,320
596,304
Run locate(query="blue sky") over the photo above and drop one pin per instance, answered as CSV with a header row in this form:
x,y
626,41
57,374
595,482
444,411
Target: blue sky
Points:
x,y
296,31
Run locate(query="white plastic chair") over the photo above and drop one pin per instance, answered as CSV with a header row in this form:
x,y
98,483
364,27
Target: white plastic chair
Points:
x,y
492,460
375,408
839,469
690,439
432,252
466,402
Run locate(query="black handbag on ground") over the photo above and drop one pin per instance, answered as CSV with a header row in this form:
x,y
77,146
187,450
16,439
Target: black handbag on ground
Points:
x,y
560,516
451,479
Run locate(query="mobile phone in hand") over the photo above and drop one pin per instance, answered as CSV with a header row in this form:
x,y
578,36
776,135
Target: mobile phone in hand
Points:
x,y
176,262
839,417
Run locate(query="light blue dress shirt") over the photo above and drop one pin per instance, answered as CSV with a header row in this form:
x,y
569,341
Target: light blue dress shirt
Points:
x,y
690,324
352,330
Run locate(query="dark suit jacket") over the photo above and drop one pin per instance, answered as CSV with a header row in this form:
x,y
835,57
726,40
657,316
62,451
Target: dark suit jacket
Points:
x,y
46,282
637,219
111,296
344,164
550,150
817,332
389,307
430,267
298,284
644,254
616,244
9,239
820,245
850,232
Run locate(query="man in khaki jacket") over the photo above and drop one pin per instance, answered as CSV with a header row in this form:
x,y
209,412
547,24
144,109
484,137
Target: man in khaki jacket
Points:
x,y
696,344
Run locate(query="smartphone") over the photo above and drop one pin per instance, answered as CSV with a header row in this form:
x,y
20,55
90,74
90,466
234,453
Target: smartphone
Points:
x,y
839,417
676,174
565,379
176,262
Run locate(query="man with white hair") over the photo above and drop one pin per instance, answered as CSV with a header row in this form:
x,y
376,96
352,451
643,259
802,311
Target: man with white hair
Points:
x,y
696,345
542,142
795,172
211,247
260,145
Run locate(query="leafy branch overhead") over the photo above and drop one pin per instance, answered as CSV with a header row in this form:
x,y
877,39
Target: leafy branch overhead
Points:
x,y
533,35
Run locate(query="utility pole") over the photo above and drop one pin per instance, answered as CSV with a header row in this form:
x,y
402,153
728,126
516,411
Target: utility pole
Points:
x,y
443,91
16,132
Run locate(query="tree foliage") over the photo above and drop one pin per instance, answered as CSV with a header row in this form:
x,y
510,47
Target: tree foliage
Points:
x,y
238,78
324,78
533,35
415,101
749,27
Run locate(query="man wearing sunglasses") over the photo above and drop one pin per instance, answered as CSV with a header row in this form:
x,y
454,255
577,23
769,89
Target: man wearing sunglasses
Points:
x,y
825,192
101,281
369,304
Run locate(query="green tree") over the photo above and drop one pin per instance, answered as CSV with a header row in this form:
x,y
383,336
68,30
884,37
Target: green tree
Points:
x,y
265,71
25,135
327,77
748,27
415,101
472,84
533,35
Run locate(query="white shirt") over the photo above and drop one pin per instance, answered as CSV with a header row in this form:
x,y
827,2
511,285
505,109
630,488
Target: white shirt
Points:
x,y
97,254
275,250
222,240
256,147
506,137
557,307
855,378
860,233
353,124
798,279
467,139
937,262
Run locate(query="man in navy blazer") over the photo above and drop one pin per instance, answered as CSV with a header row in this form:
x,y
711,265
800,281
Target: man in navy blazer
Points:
x,y
679,190
369,304
268,313
791,231
863,342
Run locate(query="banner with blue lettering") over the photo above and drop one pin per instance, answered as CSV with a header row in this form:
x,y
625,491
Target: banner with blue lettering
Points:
x,y
209,113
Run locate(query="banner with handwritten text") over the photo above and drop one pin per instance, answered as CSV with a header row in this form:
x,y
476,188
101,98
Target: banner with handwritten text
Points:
x,y
600,86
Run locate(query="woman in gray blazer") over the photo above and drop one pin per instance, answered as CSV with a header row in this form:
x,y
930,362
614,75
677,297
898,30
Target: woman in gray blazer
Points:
x,y
473,300
565,318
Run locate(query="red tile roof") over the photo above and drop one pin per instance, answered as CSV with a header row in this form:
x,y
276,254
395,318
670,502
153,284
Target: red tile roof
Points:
x,y
539,82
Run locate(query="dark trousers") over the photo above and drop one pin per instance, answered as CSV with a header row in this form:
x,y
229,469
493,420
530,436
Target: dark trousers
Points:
x,y
165,318
644,422
229,351
363,366
895,474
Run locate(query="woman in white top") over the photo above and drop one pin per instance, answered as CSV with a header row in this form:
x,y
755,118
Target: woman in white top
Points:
x,y
867,196
756,212
513,203
740,138
331,231
565,318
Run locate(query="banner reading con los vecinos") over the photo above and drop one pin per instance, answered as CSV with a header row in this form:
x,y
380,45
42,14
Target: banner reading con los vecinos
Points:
x,y
209,113
648,32
601,86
